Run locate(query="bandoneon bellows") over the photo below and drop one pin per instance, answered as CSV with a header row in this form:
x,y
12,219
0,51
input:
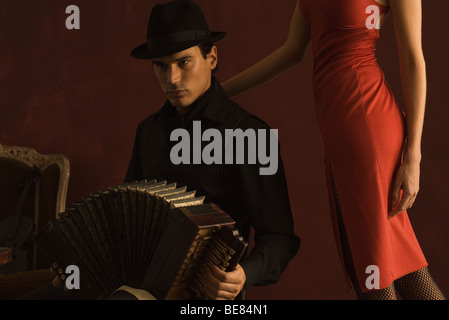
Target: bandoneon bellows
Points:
x,y
150,235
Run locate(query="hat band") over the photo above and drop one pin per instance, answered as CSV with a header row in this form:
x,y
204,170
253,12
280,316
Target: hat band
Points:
x,y
182,36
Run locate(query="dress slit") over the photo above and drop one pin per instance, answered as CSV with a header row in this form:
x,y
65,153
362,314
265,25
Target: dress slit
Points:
x,y
341,237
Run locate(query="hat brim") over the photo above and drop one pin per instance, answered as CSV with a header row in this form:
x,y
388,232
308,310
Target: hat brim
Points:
x,y
144,52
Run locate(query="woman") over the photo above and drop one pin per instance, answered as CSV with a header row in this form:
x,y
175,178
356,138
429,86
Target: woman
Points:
x,y
372,148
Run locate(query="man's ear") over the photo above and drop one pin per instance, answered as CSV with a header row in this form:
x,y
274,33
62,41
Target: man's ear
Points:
x,y
213,57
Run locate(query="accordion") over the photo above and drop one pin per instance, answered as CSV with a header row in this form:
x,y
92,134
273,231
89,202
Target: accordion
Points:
x,y
150,235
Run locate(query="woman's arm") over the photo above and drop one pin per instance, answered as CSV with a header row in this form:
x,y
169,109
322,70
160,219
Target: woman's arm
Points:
x,y
407,16
282,59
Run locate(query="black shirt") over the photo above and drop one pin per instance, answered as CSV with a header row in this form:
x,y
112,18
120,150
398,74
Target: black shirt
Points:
x,y
251,199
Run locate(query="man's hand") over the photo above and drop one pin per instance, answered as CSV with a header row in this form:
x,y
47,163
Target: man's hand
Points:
x,y
223,285
57,282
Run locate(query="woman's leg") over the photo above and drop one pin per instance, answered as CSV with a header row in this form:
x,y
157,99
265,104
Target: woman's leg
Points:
x,y
388,293
419,285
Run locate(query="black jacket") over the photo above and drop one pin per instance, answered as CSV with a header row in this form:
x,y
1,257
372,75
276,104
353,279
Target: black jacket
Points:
x,y
251,199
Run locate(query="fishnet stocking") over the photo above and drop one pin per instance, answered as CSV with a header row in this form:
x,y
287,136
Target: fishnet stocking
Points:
x,y
388,293
418,285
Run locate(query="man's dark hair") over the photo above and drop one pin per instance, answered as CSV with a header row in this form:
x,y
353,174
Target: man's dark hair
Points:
x,y
205,49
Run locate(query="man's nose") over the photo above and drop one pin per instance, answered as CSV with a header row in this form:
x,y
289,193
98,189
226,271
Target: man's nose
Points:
x,y
174,74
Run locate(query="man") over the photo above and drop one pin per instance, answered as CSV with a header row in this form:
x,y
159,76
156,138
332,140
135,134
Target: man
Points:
x,y
184,56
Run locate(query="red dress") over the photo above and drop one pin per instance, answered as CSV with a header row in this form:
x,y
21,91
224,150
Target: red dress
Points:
x,y
363,130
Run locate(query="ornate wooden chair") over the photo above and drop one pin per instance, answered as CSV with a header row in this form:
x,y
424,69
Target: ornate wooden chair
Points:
x,y
33,190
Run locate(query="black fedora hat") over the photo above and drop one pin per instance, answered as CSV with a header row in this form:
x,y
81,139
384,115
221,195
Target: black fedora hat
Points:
x,y
174,27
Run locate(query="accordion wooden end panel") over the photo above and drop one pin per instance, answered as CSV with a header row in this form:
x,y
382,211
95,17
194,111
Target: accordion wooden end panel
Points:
x,y
149,235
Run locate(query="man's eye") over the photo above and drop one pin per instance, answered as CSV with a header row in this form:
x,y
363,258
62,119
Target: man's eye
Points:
x,y
158,64
183,63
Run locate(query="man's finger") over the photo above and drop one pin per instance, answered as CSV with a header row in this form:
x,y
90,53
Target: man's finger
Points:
x,y
57,282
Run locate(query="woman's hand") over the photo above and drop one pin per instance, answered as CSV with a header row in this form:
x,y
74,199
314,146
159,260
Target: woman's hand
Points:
x,y
406,187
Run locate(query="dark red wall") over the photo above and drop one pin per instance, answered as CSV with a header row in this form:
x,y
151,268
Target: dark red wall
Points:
x,y
79,93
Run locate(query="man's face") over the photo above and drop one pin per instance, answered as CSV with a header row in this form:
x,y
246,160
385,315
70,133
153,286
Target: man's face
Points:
x,y
185,76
